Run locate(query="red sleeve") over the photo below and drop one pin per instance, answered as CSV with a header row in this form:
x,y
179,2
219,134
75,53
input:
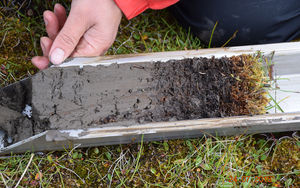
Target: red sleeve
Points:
x,y
132,8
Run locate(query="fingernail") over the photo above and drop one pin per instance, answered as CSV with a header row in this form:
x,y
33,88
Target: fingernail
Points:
x,y
46,21
57,56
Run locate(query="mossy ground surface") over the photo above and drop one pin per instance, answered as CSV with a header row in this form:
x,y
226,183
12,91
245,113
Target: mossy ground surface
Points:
x,y
236,161
259,160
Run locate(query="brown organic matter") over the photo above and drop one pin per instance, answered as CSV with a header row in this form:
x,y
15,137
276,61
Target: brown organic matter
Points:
x,y
126,94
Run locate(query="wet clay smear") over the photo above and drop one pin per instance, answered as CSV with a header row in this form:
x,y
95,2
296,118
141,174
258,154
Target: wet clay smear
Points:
x,y
128,94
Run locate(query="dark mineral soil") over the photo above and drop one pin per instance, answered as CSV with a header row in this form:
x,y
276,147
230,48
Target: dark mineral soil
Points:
x,y
119,94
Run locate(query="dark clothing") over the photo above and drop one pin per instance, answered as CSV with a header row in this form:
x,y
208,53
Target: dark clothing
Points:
x,y
257,21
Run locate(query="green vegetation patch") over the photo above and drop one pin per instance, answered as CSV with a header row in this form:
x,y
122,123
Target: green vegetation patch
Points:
x,y
17,47
234,161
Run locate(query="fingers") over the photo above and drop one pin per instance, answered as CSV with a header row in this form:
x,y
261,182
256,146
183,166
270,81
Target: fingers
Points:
x,y
52,25
40,61
55,21
68,37
60,12
46,44
89,30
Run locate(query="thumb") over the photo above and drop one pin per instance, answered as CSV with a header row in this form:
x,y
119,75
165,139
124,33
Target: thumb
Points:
x,y
67,39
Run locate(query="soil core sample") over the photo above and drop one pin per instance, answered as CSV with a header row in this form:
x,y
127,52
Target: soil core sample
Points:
x,y
127,94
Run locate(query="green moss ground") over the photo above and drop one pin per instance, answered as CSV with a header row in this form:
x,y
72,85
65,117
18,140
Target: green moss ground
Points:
x,y
259,160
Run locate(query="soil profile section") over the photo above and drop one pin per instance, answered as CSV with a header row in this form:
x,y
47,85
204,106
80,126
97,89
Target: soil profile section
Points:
x,y
15,125
127,94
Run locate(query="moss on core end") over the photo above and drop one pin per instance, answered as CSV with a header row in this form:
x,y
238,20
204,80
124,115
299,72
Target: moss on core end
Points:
x,y
249,89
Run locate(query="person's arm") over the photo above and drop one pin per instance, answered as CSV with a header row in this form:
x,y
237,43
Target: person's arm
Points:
x,y
132,8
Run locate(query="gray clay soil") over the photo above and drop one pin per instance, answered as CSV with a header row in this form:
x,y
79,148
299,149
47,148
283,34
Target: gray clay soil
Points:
x,y
73,97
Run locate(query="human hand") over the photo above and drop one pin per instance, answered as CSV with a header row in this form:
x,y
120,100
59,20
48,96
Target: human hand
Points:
x,y
89,30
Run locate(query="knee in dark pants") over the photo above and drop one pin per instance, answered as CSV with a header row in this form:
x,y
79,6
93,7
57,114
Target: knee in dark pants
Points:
x,y
257,22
